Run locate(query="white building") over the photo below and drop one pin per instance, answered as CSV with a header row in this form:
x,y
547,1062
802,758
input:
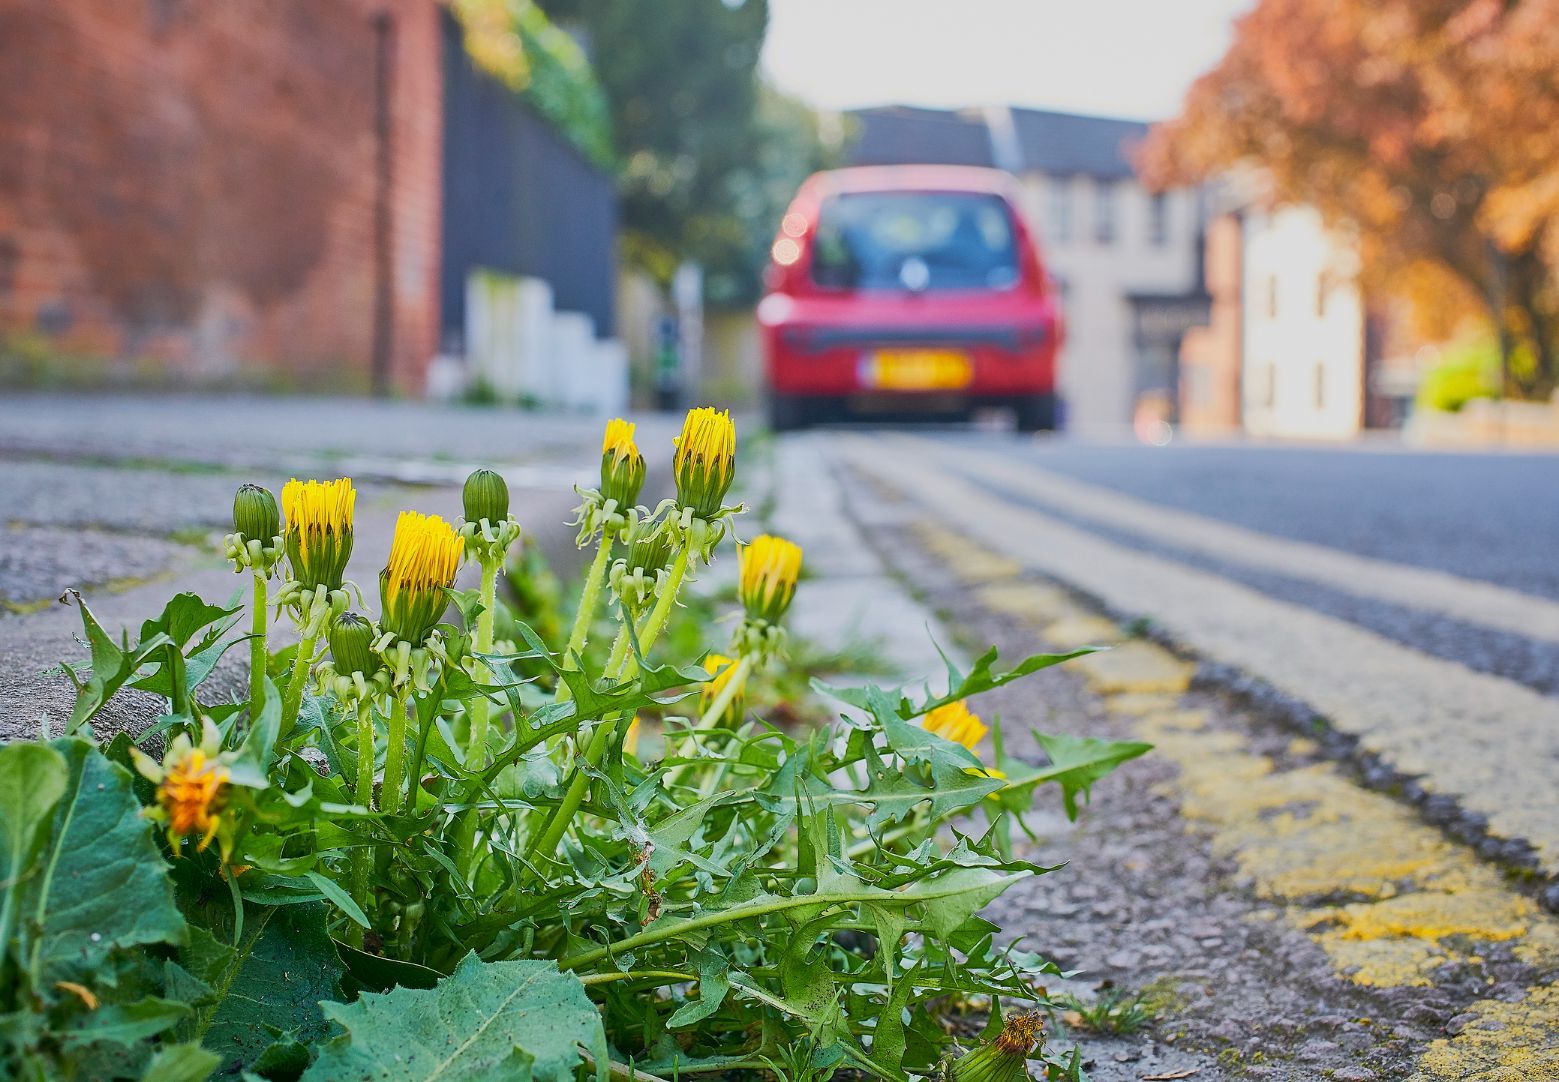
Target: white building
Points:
x,y
1117,251
1304,326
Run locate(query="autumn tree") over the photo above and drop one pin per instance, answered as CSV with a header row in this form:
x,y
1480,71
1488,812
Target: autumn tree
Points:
x,y
1427,128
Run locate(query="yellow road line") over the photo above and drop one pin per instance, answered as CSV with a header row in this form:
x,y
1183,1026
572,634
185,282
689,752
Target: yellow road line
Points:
x,y
1389,899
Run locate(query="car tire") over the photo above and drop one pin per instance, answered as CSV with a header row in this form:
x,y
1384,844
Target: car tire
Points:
x,y
788,412
1036,413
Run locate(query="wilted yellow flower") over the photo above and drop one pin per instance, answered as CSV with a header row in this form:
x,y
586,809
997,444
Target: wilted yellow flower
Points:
x,y
769,569
1006,1058
622,466
414,585
955,722
192,786
319,530
724,671
631,737
705,462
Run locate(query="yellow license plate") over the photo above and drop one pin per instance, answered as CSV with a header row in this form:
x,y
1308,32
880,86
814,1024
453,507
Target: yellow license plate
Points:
x,y
918,370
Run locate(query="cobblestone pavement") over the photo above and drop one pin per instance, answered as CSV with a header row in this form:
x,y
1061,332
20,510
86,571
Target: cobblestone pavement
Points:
x,y
126,499
1264,874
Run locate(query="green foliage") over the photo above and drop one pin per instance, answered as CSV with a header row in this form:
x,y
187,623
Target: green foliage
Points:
x,y
760,896
710,156
1468,370
514,41
1113,1012
522,1020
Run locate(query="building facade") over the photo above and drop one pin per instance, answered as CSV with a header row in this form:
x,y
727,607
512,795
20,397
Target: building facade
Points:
x,y
1127,261
1304,344
273,191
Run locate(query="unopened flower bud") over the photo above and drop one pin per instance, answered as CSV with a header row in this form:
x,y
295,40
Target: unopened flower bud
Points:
x,y
650,551
351,645
770,567
486,496
255,515
622,466
705,461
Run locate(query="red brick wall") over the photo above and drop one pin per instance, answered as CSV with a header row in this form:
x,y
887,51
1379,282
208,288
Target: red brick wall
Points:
x,y
194,181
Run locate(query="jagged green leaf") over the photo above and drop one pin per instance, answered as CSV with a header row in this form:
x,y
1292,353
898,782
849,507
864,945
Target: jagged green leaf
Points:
x,y
522,1020
181,1063
99,882
1076,762
274,983
122,1023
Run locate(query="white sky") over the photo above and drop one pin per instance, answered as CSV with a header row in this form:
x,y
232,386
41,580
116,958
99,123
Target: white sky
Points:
x,y
1128,58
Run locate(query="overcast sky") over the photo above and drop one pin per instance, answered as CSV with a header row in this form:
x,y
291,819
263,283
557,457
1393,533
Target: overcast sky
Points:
x,y
1127,58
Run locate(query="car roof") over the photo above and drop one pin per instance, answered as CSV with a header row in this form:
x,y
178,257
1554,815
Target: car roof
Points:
x,y
939,178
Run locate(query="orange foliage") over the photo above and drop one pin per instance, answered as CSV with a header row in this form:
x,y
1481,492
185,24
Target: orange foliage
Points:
x,y
1428,127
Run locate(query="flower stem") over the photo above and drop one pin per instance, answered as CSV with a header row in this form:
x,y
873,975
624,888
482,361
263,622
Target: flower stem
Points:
x,y
711,717
557,826
394,755
259,656
589,597
476,753
362,856
294,696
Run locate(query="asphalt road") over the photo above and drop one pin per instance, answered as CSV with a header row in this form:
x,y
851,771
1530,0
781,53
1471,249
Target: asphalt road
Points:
x,y
1407,601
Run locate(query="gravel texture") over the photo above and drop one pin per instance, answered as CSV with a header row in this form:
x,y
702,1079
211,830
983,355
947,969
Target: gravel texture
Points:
x,y
1143,904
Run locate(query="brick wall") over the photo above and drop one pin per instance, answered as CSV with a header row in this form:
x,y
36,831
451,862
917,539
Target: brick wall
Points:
x,y
194,183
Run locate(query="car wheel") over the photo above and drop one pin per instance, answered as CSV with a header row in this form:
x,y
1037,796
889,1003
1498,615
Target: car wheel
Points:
x,y
1036,413
788,412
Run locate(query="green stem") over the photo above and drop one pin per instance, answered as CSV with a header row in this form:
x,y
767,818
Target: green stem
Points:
x,y
259,656
294,696
558,825
362,856
666,976
589,598
394,755
662,610
476,753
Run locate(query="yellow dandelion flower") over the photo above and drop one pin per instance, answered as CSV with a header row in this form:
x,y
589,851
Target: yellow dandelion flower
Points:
x,y
192,786
631,737
770,567
705,461
724,670
622,466
319,530
414,585
957,723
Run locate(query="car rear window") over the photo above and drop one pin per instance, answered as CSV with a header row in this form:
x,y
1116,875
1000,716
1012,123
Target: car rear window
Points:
x,y
914,241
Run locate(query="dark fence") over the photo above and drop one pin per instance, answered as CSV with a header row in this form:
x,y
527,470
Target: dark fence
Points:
x,y
519,198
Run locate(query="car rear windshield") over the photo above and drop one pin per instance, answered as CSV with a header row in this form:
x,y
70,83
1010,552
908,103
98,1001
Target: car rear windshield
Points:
x,y
914,241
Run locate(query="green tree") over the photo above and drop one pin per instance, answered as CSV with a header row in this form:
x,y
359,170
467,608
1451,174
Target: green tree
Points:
x,y
708,156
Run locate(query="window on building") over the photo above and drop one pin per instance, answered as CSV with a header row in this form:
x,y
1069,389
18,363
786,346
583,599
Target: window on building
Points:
x,y
1272,296
1158,219
1320,386
1269,390
1104,207
1060,210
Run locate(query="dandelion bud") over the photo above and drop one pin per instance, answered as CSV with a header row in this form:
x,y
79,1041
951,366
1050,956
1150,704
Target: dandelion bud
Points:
x,y
486,496
651,551
956,722
769,569
622,466
414,585
705,461
319,530
255,516
351,645
1006,1058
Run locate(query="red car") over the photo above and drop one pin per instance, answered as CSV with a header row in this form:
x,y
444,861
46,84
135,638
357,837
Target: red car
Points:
x,y
908,289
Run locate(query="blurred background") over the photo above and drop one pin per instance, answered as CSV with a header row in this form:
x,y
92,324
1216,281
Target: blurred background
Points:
x,y
1287,218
